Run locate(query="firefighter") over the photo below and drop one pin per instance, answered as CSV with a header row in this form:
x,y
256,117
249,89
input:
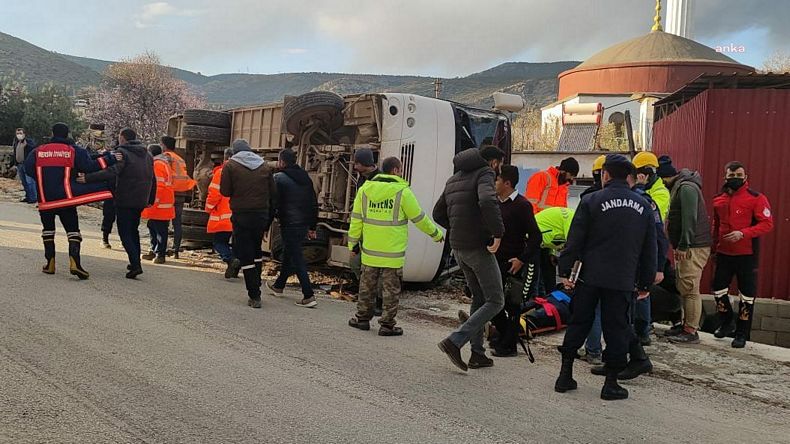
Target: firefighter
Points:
x,y
162,211
613,240
646,164
219,219
740,217
182,185
550,188
55,167
382,210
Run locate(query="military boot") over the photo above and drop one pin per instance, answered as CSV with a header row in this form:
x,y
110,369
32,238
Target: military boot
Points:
x,y
75,268
638,364
49,252
611,390
743,326
565,381
724,309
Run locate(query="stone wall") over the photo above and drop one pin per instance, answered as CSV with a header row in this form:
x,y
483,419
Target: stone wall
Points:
x,y
771,323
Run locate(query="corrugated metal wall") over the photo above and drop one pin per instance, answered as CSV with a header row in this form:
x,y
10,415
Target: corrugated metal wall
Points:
x,y
752,126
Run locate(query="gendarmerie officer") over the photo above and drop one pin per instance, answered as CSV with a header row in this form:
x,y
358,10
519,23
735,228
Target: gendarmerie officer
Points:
x,y
613,235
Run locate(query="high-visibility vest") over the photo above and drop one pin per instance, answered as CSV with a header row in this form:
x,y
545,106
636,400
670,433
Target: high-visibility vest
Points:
x,y
544,191
383,207
660,195
217,206
554,224
181,180
163,207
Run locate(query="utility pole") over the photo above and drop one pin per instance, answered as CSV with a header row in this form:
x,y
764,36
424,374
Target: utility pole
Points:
x,y
437,87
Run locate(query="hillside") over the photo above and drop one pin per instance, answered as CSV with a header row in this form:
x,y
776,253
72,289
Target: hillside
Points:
x,y
536,82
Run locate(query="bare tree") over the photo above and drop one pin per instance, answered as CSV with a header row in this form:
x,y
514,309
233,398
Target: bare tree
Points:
x,y
530,133
778,62
141,94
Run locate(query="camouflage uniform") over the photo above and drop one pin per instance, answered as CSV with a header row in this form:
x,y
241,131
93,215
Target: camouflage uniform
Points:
x,y
389,280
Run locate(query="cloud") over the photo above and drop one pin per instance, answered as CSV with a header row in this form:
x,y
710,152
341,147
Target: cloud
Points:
x,y
295,51
151,12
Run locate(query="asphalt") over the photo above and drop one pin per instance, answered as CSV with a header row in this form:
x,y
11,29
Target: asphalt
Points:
x,y
177,356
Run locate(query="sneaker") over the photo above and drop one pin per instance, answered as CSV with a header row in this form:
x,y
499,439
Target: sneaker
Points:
x,y
359,324
149,256
645,341
385,330
453,353
307,302
254,303
685,338
480,361
133,273
674,331
594,360
274,289
159,260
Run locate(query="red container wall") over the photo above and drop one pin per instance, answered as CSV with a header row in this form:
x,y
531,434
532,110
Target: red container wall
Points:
x,y
752,126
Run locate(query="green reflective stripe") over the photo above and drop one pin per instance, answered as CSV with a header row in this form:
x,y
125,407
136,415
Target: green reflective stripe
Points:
x,y
356,215
396,207
419,217
383,253
384,223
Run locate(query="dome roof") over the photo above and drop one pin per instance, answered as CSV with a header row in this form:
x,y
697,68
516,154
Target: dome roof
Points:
x,y
657,46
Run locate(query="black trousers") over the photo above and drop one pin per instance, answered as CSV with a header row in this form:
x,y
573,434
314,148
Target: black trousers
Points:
x,y
548,272
108,216
743,268
248,230
68,218
617,331
177,228
129,231
507,321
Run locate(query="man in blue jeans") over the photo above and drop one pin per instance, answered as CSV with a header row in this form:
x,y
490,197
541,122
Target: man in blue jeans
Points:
x,y
298,214
23,146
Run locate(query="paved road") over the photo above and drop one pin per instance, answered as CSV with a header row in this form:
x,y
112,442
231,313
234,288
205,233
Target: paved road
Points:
x,y
178,357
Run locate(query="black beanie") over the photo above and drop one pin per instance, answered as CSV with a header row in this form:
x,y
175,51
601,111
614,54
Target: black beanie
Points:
x,y
570,165
60,130
665,167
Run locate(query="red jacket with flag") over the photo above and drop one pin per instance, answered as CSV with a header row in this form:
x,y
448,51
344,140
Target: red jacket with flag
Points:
x,y
217,206
746,211
55,165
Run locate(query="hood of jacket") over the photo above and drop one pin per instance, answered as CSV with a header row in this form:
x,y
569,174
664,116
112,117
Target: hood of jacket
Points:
x,y
298,175
248,159
686,175
383,186
469,160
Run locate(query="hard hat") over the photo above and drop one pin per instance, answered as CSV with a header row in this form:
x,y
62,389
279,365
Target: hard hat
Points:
x,y
645,159
598,163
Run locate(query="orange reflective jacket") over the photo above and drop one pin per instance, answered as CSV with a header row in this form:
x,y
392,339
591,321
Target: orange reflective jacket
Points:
x,y
544,191
181,180
163,208
217,206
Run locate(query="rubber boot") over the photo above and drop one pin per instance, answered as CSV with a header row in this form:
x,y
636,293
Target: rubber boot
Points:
x,y
724,308
743,326
75,267
565,381
49,253
638,364
611,390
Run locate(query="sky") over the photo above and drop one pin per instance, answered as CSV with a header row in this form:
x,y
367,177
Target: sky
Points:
x,y
445,38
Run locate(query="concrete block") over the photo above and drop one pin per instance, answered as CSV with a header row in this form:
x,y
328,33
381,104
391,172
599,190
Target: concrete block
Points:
x,y
783,339
766,307
763,337
775,324
782,309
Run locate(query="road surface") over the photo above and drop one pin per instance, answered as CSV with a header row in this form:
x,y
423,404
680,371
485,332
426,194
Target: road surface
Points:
x,y
177,356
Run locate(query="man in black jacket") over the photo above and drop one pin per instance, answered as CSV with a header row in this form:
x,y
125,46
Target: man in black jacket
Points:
x,y
135,189
298,214
469,209
613,238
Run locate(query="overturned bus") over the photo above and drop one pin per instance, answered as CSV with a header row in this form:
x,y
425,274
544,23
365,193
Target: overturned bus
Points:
x,y
325,130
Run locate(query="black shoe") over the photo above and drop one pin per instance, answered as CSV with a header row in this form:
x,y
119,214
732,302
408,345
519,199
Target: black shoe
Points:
x,y
390,331
24,200
565,380
175,256
645,341
254,303
232,272
726,329
635,368
611,390
159,260
674,331
739,341
454,353
598,370
685,338
148,256
505,353
359,324
480,361
134,272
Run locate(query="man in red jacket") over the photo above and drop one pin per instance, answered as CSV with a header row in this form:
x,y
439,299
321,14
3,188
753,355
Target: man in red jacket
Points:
x,y
740,216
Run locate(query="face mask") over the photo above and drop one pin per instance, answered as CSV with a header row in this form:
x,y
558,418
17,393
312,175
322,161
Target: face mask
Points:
x,y
734,183
20,137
